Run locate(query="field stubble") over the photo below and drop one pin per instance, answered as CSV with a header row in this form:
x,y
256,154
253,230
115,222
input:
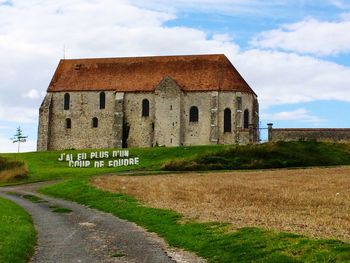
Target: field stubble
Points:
x,y
314,202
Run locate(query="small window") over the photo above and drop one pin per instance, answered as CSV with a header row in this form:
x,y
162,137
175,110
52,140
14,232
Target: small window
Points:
x,y
239,103
246,119
102,100
145,108
227,120
68,123
194,114
94,122
66,101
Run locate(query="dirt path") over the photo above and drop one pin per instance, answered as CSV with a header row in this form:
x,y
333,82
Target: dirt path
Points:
x,y
86,235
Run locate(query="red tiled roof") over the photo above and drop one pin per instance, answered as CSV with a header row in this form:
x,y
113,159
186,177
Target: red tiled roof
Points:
x,y
192,73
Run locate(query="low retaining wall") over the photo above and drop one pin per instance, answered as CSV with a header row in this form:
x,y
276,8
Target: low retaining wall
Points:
x,y
299,134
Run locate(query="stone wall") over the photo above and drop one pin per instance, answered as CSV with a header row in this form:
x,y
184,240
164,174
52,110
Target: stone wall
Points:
x,y
122,123
168,114
336,135
84,106
44,130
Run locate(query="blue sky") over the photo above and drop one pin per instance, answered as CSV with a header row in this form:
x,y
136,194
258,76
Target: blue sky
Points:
x,y
294,54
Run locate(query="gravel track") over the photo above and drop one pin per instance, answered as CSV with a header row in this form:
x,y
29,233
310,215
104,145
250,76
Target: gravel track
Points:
x,y
85,234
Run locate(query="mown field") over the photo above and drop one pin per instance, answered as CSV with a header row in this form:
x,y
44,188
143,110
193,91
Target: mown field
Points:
x,y
314,201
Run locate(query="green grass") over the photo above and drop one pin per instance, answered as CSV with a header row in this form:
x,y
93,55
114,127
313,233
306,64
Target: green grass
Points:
x,y
209,240
61,210
263,156
118,255
45,165
17,233
34,199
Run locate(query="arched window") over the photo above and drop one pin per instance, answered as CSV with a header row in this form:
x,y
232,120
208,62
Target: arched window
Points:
x,y
194,114
94,122
66,101
227,120
145,108
68,123
246,119
102,100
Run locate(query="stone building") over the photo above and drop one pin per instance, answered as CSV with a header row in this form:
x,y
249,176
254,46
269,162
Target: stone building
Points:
x,y
145,102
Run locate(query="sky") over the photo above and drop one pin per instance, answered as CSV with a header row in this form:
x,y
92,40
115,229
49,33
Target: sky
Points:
x,y
295,54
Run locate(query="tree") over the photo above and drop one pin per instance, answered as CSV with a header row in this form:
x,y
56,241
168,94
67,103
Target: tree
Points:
x,y
19,137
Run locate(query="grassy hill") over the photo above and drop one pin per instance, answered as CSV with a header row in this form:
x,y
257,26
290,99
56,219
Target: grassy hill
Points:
x,y
263,156
45,165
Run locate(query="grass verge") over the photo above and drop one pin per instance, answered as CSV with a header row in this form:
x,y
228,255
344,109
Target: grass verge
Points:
x,y
17,233
208,240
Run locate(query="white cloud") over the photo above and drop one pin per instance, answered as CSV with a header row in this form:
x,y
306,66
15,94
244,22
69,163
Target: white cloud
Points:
x,y
282,78
30,49
308,36
299,115
340,3
33,94
18,114
222,6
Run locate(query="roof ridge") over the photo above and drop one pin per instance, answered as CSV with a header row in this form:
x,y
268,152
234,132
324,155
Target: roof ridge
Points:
x,y
146,57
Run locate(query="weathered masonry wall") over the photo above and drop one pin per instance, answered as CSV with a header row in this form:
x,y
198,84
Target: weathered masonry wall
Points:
x,y
336,135
84,106
121,124
44,130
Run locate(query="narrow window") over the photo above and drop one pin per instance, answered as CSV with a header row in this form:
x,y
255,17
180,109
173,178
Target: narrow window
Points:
x,y
145,108
102,100
94,122
239,103
227,120
66,101
68,123
246,119
194,114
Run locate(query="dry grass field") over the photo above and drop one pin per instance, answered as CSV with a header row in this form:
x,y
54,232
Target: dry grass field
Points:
x,y
14,173
314,202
